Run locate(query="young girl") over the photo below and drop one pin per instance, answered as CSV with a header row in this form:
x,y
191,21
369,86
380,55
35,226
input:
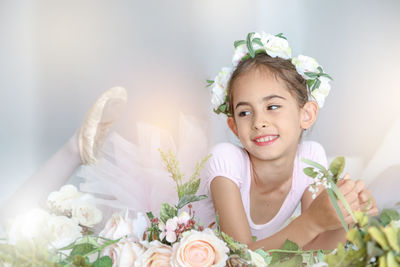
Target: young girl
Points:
x,y
254,189
270,102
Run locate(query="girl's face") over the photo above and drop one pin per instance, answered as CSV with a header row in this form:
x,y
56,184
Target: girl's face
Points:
x,y
267,118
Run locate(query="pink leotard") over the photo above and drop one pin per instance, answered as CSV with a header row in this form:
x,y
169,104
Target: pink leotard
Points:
x,y
233,162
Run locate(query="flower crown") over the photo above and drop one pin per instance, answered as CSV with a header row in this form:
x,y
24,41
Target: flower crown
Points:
x,y
275,46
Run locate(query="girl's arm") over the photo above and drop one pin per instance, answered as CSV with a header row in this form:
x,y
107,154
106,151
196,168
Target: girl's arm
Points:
x,y
325,240
330,239
319,217
233,220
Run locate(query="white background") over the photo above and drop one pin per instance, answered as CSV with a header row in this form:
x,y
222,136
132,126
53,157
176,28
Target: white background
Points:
x,y
56,57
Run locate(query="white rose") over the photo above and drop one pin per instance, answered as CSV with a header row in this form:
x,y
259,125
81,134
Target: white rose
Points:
x,y
239,53
156,255
276,46
124,253
322,91
64,198
140,225
28,226
86,214
200,249
120,225
256,259
305,64
219,88
63,231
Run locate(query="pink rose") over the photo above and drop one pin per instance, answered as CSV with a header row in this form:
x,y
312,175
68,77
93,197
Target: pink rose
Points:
x,y
198,249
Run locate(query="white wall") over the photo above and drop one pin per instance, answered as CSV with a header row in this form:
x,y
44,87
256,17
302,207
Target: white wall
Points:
x,y
58,56
18,95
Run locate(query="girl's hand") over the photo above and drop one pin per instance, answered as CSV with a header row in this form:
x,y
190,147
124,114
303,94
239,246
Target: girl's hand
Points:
x,y
323,215
366,200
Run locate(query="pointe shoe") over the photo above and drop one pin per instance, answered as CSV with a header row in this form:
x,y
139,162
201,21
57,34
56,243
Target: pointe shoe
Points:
x,y
98,122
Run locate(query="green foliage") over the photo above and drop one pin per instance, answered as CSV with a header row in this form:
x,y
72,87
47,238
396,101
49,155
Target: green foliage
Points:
x,y
104,261
236,247
372,242
280,35
186,190
167,212
309,171
239,42
346,257
249,44
388,215
189,199
209,83
284,254
172,165
82,249
332,176
294,261
337,167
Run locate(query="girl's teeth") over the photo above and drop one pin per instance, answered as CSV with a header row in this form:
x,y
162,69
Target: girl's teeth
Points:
x,y
265,139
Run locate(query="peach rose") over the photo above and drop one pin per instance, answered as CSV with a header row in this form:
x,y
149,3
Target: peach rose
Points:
x,y
200,249
157,255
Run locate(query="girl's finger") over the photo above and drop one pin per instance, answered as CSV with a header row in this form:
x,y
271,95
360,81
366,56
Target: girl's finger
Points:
x,y
373,211
347,186
360,185
365,196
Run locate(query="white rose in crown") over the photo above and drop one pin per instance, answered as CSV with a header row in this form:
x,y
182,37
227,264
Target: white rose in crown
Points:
x,y
124,253
240,52
256,259
305,64
63,199
219,87
276,46
121,224
199,249
156,255
63,231
322,91
29,226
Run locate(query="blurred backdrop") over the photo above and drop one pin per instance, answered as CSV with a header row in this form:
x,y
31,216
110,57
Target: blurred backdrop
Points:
x,y
56,57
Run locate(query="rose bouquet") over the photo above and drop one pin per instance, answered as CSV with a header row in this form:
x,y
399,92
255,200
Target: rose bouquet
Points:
x,y
65,235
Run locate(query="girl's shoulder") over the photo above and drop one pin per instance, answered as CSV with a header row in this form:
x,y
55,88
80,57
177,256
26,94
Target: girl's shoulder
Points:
x,y
229,153
228,160
312,150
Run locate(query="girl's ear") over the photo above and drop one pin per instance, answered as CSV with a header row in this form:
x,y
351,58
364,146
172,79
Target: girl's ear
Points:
x,y
232,125
309,113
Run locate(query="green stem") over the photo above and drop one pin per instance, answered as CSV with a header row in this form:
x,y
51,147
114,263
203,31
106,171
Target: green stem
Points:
x,y
341,197
298,251
337,209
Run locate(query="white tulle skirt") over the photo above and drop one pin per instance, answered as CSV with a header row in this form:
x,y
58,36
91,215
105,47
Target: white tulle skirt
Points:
x,y
132,176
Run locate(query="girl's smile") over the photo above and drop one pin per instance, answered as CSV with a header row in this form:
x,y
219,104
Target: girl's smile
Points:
x,y
265,140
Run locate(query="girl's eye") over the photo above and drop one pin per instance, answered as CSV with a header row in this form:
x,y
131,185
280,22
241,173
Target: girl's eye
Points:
x,y
273,107
244,113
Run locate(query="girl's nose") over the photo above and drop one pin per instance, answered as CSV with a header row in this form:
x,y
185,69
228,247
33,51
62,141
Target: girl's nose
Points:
x,y
261,124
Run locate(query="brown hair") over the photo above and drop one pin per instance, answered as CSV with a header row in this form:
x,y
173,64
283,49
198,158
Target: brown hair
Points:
x,y
279,67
